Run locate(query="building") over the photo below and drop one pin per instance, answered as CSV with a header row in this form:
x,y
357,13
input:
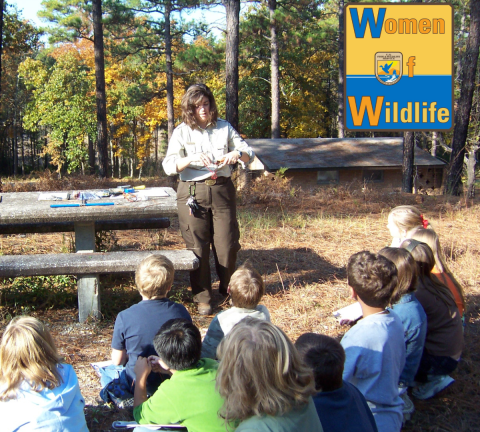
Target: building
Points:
x,y
329,161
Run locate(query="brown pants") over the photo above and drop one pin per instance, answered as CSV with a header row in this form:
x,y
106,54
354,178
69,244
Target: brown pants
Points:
x,y
215,223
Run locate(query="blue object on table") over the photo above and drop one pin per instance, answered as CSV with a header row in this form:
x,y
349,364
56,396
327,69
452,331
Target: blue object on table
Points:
x,y
129,190
80,205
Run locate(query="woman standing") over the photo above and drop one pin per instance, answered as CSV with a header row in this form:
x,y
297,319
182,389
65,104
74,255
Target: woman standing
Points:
x,y
202,150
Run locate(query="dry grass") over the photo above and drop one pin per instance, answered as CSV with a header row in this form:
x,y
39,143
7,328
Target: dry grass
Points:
x,y
300,242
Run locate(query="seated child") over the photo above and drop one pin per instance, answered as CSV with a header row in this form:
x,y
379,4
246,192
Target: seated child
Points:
x,y
440,271
265,384
374,347
37,390
136,326
189,397
340,405
444,340
246,288
408,308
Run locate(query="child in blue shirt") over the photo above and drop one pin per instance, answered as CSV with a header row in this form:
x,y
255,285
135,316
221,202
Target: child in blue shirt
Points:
x,y
340,405
136,326
374,347
246,288
408,308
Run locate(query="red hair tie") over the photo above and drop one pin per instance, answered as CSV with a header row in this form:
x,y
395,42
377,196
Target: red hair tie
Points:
x,y
424,221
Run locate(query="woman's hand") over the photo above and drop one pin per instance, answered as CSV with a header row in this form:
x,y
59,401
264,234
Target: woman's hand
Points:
x,y
198,158
230,158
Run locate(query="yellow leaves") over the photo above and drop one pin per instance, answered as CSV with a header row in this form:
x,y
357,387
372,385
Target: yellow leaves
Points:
x,y
156,109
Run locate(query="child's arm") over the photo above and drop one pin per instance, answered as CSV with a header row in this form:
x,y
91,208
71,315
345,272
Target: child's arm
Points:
x,y
142,370
212,339
119,357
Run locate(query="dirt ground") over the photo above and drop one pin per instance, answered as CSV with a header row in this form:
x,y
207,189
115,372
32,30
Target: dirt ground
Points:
x,y
300,243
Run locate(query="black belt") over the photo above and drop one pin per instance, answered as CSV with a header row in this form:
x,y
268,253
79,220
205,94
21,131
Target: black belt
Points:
x,y
210,181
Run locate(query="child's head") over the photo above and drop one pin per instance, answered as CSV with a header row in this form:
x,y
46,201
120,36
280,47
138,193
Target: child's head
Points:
x,y
325,356
430,238
27,353
406,270
422,254
373,278
403,219
246,287
178,343
154,277
260,372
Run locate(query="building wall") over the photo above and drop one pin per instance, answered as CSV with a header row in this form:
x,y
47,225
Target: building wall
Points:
x,y
427,178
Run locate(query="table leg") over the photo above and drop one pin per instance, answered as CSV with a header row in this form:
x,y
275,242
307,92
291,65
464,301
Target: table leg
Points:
x,y
87,285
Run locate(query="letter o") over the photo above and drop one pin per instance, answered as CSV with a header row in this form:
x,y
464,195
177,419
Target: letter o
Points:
x,y
390,26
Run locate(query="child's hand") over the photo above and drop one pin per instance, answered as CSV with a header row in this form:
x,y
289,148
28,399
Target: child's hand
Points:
x,y
142,368
154,362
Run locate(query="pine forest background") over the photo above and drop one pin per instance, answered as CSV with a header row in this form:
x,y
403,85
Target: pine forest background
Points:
x,y
103,95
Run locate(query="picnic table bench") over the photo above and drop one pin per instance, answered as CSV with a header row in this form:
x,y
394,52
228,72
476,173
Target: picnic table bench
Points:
x,y
22,212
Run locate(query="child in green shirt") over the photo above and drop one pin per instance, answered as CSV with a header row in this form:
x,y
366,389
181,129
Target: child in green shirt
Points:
x,y
189,396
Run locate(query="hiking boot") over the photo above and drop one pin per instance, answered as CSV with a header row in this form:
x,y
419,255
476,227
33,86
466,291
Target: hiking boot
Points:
x,y
431,388
408,407
204,308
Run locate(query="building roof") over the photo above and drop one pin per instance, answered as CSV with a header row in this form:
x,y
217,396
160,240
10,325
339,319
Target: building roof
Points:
x,y
334,153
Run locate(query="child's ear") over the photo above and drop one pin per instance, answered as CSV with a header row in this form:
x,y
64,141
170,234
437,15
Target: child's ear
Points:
x,y
353,293
168,290
228,289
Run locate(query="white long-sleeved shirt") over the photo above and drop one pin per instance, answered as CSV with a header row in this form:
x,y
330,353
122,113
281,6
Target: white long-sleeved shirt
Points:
x,y
214,141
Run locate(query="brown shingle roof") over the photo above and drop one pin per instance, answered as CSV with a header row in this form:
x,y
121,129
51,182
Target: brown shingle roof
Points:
x,y
328,153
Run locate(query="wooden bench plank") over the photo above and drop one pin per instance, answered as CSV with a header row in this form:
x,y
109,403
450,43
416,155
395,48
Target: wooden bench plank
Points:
x,y
103,225
88,263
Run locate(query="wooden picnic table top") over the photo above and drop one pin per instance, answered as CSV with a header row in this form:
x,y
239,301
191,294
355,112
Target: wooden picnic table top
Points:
x,y
24,207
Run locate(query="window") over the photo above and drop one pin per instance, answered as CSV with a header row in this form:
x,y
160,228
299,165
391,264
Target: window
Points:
x,y
374,176
327,177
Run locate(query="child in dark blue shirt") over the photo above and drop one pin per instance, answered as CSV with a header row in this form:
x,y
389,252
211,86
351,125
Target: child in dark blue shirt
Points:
x,y
136,327
340,405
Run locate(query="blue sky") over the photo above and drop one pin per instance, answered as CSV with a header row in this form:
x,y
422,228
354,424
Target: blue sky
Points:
x,y
216,16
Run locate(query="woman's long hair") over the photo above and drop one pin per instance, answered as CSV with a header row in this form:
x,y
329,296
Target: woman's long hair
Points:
x,y
423,256
192,98
260,372
27,353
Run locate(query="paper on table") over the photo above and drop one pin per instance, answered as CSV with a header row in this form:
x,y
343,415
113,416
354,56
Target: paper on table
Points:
x,y
152,192
54,196
351,312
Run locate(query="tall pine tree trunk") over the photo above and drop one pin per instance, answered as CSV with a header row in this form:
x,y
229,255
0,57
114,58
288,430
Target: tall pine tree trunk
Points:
x,y
462,115
407,166
168,58
231,60
471,163
341,64
91,156
102,141
1,41
274,73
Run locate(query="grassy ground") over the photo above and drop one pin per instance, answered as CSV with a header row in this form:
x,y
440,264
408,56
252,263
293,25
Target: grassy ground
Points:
x,y
300,242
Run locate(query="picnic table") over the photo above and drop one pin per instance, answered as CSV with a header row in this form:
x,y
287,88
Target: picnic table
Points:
x,y
23,212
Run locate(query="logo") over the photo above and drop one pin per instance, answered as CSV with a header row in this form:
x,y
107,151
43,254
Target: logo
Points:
x,y
388,67
398,66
